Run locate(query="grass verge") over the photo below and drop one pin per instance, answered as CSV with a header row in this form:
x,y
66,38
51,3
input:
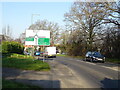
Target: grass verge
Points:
x,y
113,60
64,55
61,55
24,62
12,84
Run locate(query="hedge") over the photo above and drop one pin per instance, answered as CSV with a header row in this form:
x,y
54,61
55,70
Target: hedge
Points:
x,y
12,47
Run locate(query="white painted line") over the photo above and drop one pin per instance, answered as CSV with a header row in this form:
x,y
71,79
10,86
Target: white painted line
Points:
x,y
90,63
112,68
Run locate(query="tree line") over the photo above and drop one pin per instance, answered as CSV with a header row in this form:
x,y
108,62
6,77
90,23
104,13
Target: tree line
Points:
x,y
92,26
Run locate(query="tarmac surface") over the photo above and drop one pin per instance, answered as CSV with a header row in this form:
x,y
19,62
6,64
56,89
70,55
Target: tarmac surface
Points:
x,y
67,73
59,76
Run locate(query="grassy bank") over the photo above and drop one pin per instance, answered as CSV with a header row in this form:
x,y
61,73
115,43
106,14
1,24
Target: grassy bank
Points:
x,y
24,62
11,84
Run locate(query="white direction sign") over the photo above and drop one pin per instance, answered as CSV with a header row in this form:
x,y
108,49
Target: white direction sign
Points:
x,y
37,37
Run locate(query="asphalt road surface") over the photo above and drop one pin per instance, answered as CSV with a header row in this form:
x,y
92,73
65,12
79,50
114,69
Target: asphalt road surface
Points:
x,y
92,75
68,72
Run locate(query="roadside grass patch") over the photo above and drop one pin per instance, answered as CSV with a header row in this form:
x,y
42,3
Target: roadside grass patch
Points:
x,y
12,84
113,60
63,55
78,57
24,62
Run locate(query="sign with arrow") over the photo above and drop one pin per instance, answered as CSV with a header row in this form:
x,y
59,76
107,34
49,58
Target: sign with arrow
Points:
x,y
37,37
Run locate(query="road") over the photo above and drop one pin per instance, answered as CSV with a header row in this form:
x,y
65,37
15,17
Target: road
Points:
x,y
68,72
90,75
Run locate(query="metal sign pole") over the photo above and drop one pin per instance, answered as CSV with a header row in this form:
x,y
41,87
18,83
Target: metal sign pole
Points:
x,y
43,54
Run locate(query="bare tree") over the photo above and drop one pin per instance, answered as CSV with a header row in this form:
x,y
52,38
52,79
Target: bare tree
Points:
x,y
87,16
114,15
111,43
7,33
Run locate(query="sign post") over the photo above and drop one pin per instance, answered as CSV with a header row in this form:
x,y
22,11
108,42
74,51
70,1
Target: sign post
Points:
x,y
43,54
38,38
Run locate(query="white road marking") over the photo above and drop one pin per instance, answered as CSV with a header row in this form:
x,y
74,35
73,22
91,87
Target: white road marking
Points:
x,y
113,68
91,63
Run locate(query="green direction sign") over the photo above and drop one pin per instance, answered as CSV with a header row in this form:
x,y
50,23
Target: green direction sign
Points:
x,y
29,39
43,41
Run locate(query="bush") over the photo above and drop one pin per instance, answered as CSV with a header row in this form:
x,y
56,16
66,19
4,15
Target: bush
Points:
x,y
12,47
